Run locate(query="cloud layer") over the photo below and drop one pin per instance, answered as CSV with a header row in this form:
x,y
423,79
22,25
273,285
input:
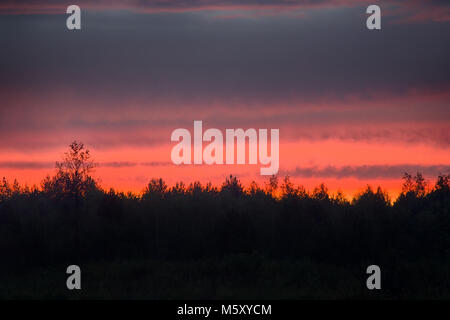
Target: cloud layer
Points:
x,y
368,172
407,11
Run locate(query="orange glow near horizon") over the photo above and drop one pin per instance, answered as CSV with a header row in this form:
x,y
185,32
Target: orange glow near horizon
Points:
x,y
131,168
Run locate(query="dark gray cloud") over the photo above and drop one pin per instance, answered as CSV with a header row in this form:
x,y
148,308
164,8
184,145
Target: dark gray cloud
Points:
x,y
367,171
152,6
195,57
155,163
123,164
31,165
24,165
126,164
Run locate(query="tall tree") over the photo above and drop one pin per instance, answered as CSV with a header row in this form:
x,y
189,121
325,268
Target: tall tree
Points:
x,y
73,178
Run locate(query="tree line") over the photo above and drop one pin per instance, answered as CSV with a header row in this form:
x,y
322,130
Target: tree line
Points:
x,y
71,218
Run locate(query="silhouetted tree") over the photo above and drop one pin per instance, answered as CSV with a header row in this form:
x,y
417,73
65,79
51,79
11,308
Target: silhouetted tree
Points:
x,y
376,200
272,186
72,182
156,188
420,185
443,183
408,183
5,189
195,188
178,189
233,186
73,177
254,190
287,188
321,193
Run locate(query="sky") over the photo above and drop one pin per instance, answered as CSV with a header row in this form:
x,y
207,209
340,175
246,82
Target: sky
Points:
x,y
353,106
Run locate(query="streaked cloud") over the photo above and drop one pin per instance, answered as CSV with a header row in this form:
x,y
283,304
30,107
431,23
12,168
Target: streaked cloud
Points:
x,y
32,165
366,172
158,6
26,165
406,11
126,164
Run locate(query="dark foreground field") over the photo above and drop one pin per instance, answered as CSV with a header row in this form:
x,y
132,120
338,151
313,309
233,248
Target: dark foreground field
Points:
x,y
232,277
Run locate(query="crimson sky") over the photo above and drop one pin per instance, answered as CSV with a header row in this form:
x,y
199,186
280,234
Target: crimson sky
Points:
x,y
353,106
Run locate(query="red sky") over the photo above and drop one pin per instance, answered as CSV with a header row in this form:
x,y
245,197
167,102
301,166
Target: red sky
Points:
x,y
344,154
353,107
